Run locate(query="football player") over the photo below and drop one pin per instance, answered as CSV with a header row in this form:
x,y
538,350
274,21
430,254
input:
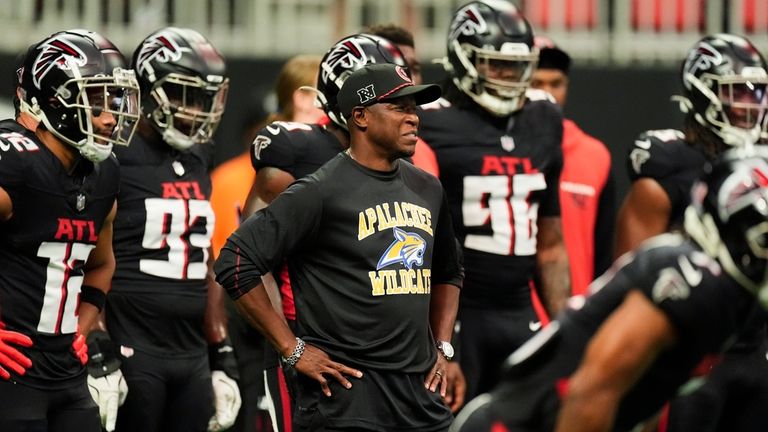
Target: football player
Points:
x,y
611,362
724,80
498,147
58,186
165,311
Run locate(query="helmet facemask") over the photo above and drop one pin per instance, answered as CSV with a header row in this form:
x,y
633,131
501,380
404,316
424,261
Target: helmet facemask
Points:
x,y
77,104
496,80
737,104
187,109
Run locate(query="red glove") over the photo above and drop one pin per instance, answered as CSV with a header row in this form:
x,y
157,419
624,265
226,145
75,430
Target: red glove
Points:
x,y
10,357
80,348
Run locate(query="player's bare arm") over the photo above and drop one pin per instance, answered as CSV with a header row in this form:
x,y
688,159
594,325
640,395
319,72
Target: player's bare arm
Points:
x,y
552,265
6,206
443,306
618,355
270,182
313,362
644,214
215,321
98,273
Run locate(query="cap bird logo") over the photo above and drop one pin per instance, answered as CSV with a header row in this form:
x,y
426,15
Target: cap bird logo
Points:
x,y
408,249
56,51
161,48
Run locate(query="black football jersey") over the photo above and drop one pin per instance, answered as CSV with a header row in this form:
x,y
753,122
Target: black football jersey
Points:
x,y
162,234
363,248
296,148
56,221
705,306
500,176
664,156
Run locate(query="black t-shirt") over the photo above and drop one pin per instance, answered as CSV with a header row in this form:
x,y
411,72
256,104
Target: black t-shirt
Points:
x,y
162,234
296,148
705,306
55,225
364,248
500,176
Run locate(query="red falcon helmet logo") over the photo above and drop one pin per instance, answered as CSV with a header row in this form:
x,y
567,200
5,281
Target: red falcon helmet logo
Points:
x,y
161,48
468,22
56,52
347,54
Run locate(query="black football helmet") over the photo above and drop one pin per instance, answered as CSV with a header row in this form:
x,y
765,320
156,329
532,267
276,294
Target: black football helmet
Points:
x,y
343,58
67,81
491,54
183,83
728,216
724,87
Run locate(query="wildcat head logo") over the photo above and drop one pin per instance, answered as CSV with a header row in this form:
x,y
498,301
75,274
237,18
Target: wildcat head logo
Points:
x,y
408,249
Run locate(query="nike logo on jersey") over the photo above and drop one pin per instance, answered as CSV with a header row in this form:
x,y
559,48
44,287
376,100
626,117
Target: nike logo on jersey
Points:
x,y
643,144
534,326
274,130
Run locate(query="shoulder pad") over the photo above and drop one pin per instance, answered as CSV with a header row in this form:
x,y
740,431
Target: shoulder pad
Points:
x,y
275,133
438,104
538,94
655,153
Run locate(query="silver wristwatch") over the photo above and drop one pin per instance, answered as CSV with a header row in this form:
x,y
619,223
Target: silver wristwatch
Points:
x,y
445,348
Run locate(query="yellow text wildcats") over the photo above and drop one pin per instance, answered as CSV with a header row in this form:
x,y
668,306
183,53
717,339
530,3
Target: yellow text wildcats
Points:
x,y
381,217
391,282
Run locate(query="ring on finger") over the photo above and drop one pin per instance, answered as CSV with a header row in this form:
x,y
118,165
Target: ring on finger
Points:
x,y
438,373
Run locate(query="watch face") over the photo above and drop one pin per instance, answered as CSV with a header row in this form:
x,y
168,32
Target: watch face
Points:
x,y
447,349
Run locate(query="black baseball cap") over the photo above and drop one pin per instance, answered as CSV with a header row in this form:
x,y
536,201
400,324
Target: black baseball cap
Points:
x,y
552,57
375,83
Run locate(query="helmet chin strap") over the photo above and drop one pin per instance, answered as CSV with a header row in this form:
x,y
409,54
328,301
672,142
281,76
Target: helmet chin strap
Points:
x,y
176,139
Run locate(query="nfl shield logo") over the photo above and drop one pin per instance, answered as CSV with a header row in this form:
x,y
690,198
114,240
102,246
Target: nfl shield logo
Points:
x,y
507,143
80,203
178,168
